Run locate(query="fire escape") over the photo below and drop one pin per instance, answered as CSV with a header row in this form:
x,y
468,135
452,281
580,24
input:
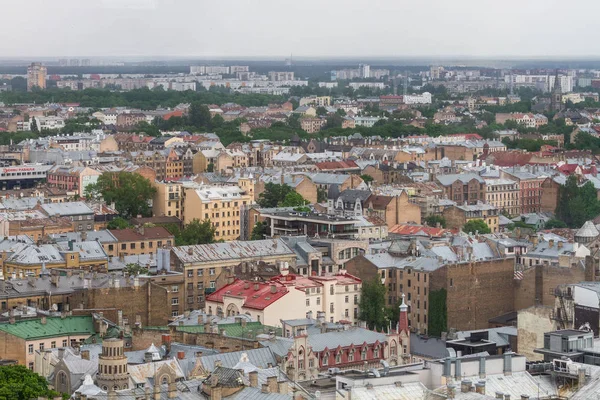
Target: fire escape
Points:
x,y
560,314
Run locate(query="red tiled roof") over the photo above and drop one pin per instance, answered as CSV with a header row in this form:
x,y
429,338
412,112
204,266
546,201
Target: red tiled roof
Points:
x,y
166,117
256,295
408,230
508,158
568,169
336,165
468,136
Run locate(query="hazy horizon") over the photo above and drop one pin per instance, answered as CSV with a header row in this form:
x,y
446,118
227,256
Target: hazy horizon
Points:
x,y
272,29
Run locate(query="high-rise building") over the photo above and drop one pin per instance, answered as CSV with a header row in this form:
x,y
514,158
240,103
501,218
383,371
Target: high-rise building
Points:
x,y
365,70
36,76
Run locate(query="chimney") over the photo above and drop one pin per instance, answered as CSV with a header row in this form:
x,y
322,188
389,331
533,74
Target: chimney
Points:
x,y
180,355
218,363
272,382
457,369
43,320
61,353
215,393
507,397
551,243
265,388
172,390
190,251
499,395
256,286
253,376
283,387
156,392
559,244
85,354
480,387
136,282
166,341
524,397
482,367
273,289
465,386
451,391
147,357
147,393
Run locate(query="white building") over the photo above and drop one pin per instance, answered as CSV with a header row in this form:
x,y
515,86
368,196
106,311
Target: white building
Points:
x,y
371,85
424,98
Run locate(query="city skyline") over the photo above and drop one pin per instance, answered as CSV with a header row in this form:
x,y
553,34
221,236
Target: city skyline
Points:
x,y
138,28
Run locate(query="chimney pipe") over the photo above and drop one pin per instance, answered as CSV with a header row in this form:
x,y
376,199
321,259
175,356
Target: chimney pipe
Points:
x,y
253,376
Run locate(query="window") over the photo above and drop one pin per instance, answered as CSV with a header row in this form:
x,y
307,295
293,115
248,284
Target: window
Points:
x,y
200,286
307,302
346,299
211,271
376,352
30,349
31,366
53,344
363,354
338,358
174,288
123,246
132,246
351,355
213,284
331,308
355,299
325,359
190,273
331,289
64,343
318,301
200,272
175,301
41,346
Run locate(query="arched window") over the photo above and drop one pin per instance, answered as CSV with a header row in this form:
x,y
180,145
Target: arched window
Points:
x,y
351,355
363,354
326,359
115,388
338,357
164,380
62,378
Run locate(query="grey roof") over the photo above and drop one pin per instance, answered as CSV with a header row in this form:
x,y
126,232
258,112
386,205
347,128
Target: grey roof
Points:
x,y
103,236
588,230
323,178
278,345
447,180
350,195
204,253
70,208
261,358
89,250
500,336
433,348
354,335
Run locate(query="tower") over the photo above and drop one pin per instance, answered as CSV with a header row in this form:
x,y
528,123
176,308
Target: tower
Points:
x,y
36,76
556,96
112,366
403,319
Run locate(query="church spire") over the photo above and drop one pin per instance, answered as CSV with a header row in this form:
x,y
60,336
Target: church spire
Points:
x,y
403,319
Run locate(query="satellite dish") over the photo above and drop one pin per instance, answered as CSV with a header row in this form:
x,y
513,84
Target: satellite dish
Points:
x,y
54,307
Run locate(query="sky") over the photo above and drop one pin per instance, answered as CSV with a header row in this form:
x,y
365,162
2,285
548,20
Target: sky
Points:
x,y
304,28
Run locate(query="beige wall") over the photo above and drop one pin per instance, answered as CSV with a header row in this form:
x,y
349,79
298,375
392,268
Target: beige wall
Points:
x,y
532,323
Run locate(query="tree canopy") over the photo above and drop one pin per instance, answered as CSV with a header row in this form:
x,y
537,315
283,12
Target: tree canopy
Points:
x,y
196,232
433,220
476,225
259,231
577,204
118,223
278,195
130,192
17,382
372,304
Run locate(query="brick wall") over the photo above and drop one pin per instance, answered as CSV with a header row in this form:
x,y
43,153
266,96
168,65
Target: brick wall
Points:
x,y
538,283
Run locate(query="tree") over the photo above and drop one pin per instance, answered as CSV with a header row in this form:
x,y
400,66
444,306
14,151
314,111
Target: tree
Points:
x,y
199,116
293,199
17,382
476,225
321,111
576,204
210,167
33,126
133,269
334,121
434,220
367,178
259,231
372,304
321,195
118,223
196,232
273,195
130,192
217,121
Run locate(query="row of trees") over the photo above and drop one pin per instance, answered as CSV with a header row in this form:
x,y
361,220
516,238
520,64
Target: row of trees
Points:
x,y
577,204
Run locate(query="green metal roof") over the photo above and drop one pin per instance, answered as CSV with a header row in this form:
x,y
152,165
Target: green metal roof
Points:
x,y
235,330
33,329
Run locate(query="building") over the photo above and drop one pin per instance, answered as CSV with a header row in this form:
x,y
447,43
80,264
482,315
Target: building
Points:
x,y
220,205
459,215
71,178
281,76
312,125
463,188
202,264
504,195
36,76
140,240
112,366
284,223
81,215
335,297
530,181
21,338
393,210
167,200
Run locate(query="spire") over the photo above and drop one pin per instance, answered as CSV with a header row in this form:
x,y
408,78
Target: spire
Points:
x,y
403,319
557,86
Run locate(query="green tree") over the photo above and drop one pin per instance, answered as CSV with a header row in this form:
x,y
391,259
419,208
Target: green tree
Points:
x,y
33,125
273,195
259,231
17,382
367,178
438,313
118,223
321,195
196,232
433,220
293,199
334,121
321,111
217,121
133,269
476,225
130,192
576,204
372,304
199,116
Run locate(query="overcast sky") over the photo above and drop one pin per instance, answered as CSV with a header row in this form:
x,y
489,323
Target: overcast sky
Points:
x,y
276,28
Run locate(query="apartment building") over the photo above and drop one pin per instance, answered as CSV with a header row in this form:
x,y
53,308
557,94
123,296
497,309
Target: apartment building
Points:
x,y
140,240
36,76
457,216
202,264
219,204
336,297
71,178
463,188
312,125
504,195
530,180
167,200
